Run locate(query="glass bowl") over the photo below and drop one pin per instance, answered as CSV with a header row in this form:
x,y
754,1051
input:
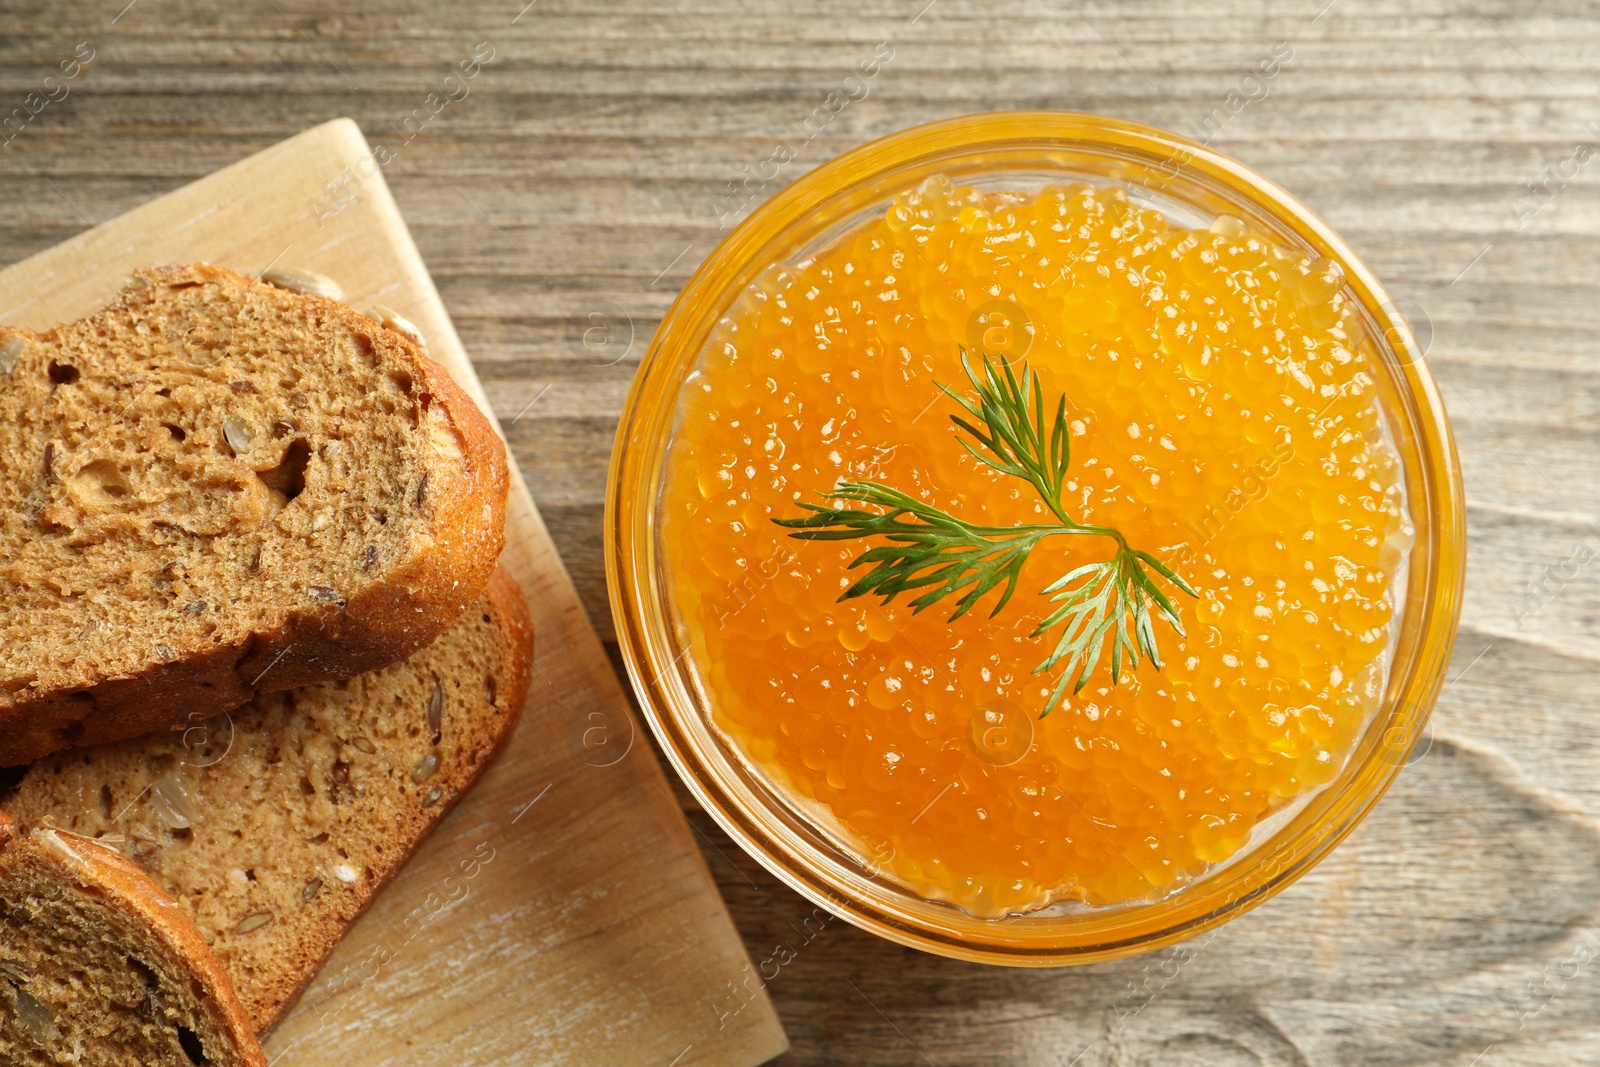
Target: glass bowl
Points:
x,y
1193,185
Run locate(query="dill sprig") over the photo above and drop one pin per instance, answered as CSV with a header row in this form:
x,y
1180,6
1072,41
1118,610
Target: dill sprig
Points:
x,y
928,549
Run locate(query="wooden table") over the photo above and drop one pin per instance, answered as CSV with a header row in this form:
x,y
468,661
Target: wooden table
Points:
x,y
583,175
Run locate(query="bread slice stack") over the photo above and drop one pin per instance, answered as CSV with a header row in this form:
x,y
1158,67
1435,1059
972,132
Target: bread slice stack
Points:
x,y
252,636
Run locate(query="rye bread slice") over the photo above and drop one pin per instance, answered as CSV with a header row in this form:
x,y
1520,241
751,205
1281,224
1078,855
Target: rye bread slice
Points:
x,y
214,486
99,967
275,825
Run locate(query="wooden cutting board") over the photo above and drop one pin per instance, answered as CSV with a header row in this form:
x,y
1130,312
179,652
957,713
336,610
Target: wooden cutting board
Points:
x,y
589,930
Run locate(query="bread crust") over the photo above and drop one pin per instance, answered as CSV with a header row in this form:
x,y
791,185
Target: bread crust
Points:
x,y
279,992
122,887
317,642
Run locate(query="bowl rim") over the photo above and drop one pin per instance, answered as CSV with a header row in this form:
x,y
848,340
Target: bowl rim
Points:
x,y
1395,729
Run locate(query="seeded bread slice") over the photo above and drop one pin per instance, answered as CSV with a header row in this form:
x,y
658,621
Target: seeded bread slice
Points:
x,y
99,967
274,826
215,486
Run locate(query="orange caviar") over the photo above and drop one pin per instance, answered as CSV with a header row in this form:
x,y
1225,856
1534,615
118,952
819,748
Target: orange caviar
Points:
x,y
1222,417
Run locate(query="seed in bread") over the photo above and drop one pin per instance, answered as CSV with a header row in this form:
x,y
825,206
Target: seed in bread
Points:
x,y
307,282
215,486
276,824
99,967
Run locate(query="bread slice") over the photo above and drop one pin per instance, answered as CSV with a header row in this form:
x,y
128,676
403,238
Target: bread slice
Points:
x,y
276,825
215,486
99,967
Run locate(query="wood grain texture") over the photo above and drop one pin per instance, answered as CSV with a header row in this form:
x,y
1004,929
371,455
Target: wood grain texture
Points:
x,y
582,180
